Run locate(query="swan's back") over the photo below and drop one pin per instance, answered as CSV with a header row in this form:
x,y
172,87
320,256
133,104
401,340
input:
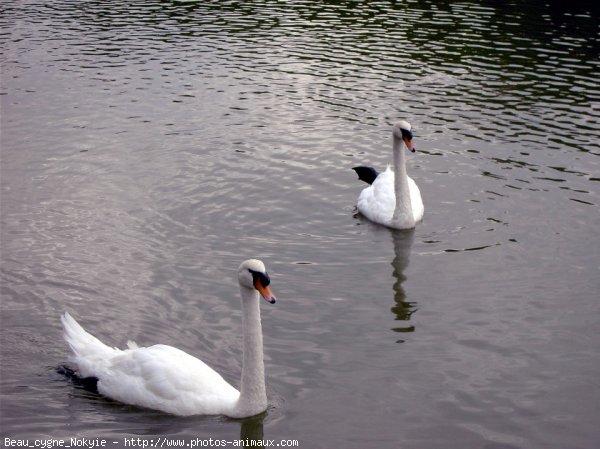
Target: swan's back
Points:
x,y
377,202
165,378
160,377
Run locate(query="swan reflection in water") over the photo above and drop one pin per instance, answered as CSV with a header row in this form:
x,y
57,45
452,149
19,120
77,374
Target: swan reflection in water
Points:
x,y
402,309
251,431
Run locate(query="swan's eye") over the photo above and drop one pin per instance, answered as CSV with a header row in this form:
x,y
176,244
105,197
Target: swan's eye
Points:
x,y
257,276
406,134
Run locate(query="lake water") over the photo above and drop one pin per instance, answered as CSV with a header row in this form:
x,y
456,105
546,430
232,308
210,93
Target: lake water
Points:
x,y
149,148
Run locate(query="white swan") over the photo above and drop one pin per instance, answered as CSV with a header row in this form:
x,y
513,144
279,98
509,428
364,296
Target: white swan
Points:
x,y
165,378
393,198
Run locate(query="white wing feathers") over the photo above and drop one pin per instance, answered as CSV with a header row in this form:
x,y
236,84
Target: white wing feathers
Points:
x,y
159,377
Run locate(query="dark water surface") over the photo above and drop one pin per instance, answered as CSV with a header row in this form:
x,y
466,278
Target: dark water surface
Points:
x,y
148,148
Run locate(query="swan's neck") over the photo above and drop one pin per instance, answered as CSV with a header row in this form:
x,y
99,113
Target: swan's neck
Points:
x,y
253,396
403,214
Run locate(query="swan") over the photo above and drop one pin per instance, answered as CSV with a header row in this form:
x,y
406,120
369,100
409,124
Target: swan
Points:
x,y
165,378
392,199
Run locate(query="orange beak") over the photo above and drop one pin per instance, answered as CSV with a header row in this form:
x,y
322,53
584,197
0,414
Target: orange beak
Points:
x,y
408,143
265,292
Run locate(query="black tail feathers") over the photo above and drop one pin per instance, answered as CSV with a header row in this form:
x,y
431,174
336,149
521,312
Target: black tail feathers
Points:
x,y
366,174
87,383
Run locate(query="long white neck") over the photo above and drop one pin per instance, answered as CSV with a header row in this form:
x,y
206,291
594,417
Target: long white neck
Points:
x,y
403,214
253,395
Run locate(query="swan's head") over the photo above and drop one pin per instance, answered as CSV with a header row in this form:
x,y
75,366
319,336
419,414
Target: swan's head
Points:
x,y
252,274
402,130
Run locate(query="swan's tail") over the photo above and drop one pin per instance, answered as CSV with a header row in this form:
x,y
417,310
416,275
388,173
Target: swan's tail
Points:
x,y
366,174
90,354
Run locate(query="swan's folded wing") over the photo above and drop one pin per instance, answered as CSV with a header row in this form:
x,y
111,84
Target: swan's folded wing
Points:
x,y
377,202
166,378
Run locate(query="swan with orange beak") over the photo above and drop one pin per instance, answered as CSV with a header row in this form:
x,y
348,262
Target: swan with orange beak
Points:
x,y
392,198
